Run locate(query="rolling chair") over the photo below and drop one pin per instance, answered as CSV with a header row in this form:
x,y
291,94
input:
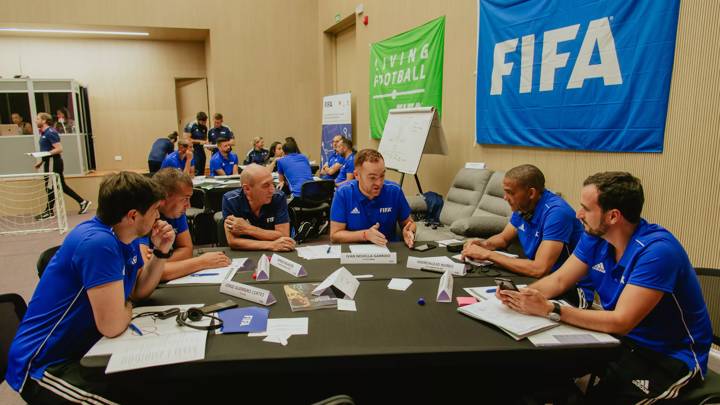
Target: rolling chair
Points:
x,y
310,213
44,259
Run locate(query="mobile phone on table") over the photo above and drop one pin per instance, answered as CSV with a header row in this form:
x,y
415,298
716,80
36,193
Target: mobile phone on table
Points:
x,y
207,309
422,247
505,284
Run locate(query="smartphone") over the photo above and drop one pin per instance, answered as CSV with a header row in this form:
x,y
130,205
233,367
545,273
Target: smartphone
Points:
x,y
424,247
207,309
505,284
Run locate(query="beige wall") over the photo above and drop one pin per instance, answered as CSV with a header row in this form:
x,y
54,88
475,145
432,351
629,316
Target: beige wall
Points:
x,y
681,185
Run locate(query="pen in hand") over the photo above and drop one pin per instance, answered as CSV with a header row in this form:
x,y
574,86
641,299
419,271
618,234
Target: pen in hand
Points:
x,y
135,329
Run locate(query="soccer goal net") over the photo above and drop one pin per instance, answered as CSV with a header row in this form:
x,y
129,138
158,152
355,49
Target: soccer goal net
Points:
x,y
31,203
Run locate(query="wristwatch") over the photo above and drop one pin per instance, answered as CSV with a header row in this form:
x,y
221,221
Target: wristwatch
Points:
x,y
159,254
554,315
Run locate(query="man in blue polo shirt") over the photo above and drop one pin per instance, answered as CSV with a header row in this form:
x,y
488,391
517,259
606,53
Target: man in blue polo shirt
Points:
x,y
178,189
293,169
197,133
182,159
544,224
220,131
648,289
159,151
347,171
335,161
256,217
369,208
87,291
224,162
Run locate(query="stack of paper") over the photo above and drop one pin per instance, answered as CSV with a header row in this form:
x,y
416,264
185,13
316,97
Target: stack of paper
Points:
x,y
279,330
319,252
481,263
368,249
211,276
485,293
566,335
515,324
399,284
443,243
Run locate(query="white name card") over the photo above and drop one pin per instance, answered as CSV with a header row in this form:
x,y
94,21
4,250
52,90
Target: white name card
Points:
x,y
263,269
247,292
445,289
287,265
368,258
434,264
342,280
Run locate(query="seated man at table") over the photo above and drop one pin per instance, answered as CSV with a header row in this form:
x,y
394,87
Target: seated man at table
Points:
x,y
87,291
293,168
224,162
178,189
258,154
544,224
335,161
256,217
347,171
368,209
648,289
182,159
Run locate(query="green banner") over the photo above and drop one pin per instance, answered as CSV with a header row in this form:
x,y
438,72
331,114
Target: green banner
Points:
x,y
406,71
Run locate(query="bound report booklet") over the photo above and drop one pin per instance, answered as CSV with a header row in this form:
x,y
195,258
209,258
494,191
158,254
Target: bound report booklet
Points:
x,y
301,298
515,324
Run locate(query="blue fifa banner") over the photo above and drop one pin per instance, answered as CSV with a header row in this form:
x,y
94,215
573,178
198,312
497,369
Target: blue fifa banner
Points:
x,y
575,74
336,120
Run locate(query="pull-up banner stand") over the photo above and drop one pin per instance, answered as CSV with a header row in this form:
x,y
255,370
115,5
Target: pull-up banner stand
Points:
x,y
408,134
336,120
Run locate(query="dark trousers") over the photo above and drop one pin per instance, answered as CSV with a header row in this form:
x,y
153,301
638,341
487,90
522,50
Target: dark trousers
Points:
x,y
153,166
199,155
54,163
67,383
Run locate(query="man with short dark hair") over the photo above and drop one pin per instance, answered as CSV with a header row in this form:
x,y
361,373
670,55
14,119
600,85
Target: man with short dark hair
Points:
x,y
369,208
182,159
224,162
159,151
293,169
220,131
347,171
196,132
648,289
543,223
256,216
258,154
87,291
178,189
335,161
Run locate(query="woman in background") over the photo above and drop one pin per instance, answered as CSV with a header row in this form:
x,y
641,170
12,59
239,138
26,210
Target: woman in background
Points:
x,y
276,152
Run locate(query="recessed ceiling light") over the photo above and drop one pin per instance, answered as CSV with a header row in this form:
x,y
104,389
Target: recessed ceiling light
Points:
x,y
86,32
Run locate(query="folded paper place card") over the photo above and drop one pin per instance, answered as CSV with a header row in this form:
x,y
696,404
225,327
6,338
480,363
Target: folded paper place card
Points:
x,y
445,289
341,281
368,258
438,264
263,269
288,265
247,292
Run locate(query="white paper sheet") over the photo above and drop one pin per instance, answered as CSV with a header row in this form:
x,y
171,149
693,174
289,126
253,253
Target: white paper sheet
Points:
x,y
160,350
481,263
284,326
519,325
566,335
319,252
211,276
346,305
399,284
369,248
446,242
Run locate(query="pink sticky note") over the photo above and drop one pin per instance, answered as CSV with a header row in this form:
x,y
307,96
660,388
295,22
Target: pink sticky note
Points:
x,y
462,301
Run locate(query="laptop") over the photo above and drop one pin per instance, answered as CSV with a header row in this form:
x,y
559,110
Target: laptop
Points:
x,y
10,129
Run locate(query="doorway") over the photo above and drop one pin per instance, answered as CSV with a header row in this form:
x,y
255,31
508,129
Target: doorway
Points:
x,y
191,96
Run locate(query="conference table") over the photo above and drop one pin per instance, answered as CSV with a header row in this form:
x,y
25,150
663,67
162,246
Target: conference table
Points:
x,y
391,339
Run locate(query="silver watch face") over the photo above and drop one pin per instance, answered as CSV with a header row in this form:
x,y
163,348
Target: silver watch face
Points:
x,y
554,316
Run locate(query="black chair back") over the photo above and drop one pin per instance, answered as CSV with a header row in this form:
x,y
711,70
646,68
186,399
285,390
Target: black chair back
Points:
x,y
318,191
44,259
197,200
710,285
12,310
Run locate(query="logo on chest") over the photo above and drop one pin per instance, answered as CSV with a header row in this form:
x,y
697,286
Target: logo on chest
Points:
x,y
355,211
522,227
599,267
385,210
270,220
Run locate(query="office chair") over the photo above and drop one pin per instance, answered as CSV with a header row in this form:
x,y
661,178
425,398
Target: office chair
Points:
x,y
311,211
44,259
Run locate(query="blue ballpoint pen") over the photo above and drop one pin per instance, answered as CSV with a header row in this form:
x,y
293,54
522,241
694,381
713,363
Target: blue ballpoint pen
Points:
x,y
204,274
135,329
328,251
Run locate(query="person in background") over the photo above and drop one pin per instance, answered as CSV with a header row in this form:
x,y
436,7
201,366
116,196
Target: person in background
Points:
x,y
291,139
178,189
64,124
196,131
159,151
224,162
220,131
293,169
50,142
25,127
258,154
347,171
335,161
182,159
276,153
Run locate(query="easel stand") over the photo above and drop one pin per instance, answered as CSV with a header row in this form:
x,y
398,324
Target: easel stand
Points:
x,y
417,181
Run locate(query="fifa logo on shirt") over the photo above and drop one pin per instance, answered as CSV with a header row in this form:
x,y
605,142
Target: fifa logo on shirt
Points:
x,y
134,260
271,219
385,210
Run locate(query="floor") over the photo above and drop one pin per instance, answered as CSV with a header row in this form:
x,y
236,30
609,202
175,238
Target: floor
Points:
x,y
18,274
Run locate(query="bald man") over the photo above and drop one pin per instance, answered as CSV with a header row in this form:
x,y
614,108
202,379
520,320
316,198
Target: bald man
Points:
x,y
256,217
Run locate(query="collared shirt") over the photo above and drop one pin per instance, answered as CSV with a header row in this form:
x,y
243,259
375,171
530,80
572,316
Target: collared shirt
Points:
x,y
679,325
173,160
274,213
296,169
197,131
256,156
347,168
352,208
218,161
59,325
221,132
160,149
178,224
333,159
48,137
